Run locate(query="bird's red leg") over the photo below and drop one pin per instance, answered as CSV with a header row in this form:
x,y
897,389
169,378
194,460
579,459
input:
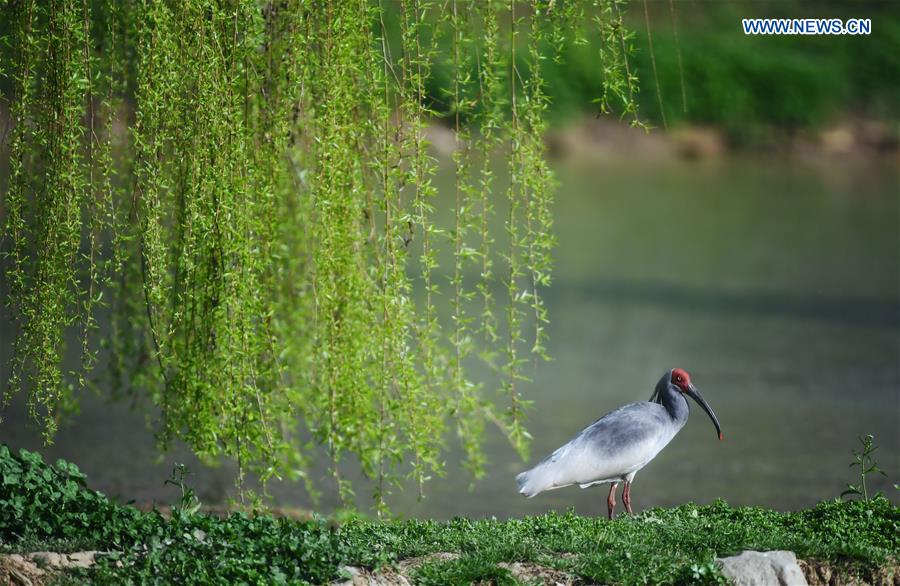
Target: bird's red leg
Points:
x,y
626,497
611,499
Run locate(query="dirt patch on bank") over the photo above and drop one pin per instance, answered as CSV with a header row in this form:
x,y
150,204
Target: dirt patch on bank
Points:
x,y
401,575
19,571
32,569
821,573
532,573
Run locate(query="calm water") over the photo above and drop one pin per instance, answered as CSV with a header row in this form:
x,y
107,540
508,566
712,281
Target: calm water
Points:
x,y
776,285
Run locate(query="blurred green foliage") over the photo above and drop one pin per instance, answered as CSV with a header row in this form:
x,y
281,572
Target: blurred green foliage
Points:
x,y
750,86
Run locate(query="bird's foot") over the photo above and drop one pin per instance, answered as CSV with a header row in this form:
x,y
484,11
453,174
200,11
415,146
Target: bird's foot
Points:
x,y
611,501
626,498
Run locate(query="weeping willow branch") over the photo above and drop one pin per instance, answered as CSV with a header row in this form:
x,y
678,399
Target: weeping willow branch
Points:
x,y
620,83
250,187
49,188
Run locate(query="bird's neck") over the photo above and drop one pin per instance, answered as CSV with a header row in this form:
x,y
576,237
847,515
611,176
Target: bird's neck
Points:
x,y
674,402
677,406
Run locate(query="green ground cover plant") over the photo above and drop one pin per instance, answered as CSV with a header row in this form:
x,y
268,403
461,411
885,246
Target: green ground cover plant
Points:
x,y
43,505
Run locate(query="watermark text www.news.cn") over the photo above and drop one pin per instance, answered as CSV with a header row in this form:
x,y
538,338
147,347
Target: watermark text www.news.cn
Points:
x,y
807,26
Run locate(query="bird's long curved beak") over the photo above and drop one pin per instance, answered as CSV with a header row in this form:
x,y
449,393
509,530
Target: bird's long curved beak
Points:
x,y
695,395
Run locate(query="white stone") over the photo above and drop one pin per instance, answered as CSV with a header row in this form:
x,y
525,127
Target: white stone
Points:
x,y
763,568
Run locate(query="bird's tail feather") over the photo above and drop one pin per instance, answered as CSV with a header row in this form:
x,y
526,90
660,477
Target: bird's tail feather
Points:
x,y
525,486
532,482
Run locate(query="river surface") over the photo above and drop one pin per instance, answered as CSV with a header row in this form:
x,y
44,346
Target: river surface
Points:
x,y
775,283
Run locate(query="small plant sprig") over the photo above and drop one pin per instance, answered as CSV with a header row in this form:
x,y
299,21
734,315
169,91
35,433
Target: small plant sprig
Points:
x,y
867,465
189,503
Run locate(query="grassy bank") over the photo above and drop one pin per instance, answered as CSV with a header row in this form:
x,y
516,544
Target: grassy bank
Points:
x,y
48,507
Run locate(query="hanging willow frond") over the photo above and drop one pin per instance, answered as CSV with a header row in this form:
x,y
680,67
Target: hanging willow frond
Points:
x,y
51,183
251,186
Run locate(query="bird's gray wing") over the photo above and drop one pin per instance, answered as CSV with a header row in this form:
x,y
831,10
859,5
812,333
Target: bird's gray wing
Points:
x,y
613,446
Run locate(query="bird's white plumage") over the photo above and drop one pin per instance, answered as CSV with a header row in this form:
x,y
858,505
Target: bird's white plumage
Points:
x,y
611,449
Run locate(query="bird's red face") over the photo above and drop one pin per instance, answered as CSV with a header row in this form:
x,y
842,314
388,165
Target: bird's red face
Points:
x,y
681,379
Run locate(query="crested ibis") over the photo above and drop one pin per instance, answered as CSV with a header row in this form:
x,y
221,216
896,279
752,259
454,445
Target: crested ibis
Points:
x,y
616,446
